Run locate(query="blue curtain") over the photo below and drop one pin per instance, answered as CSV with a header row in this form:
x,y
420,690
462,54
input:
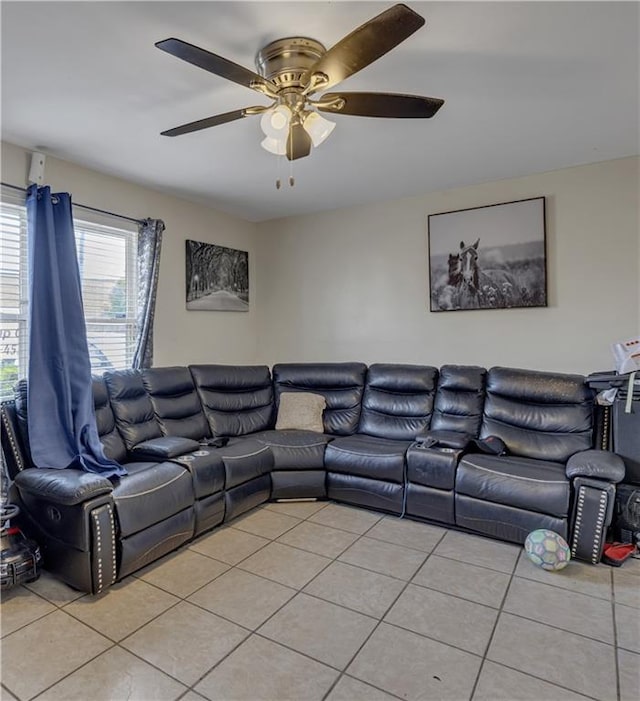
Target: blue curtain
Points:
x,y
149,247
62,424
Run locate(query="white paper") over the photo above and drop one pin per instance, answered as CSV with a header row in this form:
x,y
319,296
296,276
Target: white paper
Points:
x,y
627,355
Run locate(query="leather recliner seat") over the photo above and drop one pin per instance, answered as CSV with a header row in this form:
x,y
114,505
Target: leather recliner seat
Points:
x,y
299,455
368,467
431,472
543,421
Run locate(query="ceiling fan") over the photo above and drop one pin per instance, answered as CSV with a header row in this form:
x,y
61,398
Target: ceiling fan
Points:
x,y
292,69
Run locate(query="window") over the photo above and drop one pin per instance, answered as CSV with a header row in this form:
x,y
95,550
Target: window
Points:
x,y
106,249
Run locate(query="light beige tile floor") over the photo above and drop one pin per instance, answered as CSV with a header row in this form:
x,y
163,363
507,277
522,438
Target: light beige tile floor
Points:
x,y
319,601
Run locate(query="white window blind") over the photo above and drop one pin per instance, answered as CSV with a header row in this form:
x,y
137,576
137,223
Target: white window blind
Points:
x,y
106,251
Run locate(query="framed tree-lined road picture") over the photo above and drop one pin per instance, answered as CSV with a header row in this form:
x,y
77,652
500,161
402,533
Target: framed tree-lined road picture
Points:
x,y
491,257
217,278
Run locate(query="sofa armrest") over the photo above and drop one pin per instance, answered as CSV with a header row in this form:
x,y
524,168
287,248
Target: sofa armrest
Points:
x,y
598,464
164,448
66,487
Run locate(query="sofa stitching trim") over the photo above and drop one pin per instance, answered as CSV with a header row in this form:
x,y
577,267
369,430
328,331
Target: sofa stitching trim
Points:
x,y
504,523
291,447
517,477
367,455
245,455
157,545
154,489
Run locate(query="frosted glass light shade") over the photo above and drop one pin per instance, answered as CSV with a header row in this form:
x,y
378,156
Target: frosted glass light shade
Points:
x,y
275,122
276,146
317,127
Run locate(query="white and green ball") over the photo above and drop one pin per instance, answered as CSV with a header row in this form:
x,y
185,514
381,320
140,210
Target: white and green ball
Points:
x,y
547,549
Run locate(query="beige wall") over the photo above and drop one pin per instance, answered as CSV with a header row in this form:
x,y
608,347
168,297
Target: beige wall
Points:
x,y
353,284
180,337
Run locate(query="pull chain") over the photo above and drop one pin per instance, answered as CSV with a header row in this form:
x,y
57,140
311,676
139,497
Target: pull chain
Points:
x,y
292,180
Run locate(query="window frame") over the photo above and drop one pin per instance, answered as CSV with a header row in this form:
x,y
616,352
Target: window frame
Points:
x,y
95,224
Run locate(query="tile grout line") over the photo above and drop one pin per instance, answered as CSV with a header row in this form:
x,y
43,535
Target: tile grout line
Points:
x,y
216,530
373,686
615,636
239,530
475,564
495,626
381,619
300,590
44,615
456,596
515,669
250,631
84,664
255,630
552,583
189,687
396,579
554,627
335,559
117,643
183,599
533,676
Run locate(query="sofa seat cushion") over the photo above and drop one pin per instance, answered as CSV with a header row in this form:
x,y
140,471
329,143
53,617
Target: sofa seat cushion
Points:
x,y
524,483
367,456
294,449
245,459
150,493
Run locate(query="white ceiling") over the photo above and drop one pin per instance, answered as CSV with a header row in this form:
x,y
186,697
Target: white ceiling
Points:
x,y
528,87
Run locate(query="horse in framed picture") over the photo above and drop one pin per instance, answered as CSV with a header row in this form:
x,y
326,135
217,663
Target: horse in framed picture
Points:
x,y
475,288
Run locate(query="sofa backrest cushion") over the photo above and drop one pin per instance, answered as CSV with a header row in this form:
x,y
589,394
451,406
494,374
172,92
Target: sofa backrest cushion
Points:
x,y
398,400
542,415
112,443
236,399
176,403
459,399
341,384
132,408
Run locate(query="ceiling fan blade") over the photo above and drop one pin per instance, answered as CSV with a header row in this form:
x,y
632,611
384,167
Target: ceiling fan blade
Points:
x,y
298,142
206,123
367,43
377,104
214,64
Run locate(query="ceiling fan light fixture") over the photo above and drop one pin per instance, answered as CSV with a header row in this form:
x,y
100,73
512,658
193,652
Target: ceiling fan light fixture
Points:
x,y
276,146
275,122
292,69
317,127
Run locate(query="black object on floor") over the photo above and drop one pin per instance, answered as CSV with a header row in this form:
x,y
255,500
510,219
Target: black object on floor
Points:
x,y
20,558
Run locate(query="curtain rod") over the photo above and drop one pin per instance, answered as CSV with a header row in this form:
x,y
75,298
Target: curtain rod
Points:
x,y
83,206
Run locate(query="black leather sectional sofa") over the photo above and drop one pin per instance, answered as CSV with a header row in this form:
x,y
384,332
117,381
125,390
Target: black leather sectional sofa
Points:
x,y
395,439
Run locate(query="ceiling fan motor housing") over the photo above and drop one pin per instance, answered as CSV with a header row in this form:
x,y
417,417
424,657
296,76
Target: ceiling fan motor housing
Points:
x,y
286,62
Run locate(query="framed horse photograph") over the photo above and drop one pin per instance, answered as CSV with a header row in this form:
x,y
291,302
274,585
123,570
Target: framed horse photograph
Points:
x,y
490,257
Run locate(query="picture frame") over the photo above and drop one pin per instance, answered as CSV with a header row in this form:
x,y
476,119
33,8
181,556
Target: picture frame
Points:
x,y
217,277
489,257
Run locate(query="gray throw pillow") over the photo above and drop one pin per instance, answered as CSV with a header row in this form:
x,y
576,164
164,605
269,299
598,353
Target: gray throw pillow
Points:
x,y
302,411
